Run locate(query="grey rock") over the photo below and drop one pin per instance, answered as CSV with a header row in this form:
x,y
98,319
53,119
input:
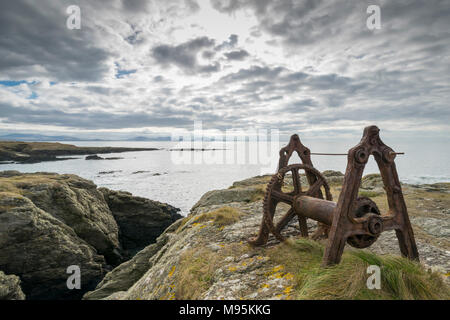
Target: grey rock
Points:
x,y
140,220
77,203
372,182
125,275
10,287
38,248
217,197
50,221
94,157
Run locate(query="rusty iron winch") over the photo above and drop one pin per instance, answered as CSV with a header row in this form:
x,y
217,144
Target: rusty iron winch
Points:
x,y
353,220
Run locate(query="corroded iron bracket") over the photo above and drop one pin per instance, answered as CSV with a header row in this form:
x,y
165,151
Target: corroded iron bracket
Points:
x,y
396,219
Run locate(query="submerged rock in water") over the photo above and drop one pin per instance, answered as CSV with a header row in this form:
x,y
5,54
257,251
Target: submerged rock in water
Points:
x,y
94,157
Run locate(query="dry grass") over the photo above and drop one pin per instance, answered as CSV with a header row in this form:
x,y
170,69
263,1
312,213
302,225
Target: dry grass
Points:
x,y
17,184
259,194
221,217
369,193
197,267
400,277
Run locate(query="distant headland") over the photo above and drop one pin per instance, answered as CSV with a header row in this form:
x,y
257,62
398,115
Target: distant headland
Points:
x,y
32,152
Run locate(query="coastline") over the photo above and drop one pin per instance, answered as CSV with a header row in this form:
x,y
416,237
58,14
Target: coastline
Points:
x,y
217,228
35,152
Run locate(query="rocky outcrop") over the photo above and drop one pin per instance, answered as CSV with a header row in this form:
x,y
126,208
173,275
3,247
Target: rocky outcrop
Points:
x,y
93,157
239,193
10,287
140,220
77,203
124,276
32,152
39,248
96,157
49,222
206,255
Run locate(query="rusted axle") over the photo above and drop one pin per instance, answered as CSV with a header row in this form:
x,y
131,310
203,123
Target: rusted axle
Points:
x,y
365,213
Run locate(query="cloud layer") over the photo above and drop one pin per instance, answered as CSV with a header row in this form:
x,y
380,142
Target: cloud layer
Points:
x,y
154,67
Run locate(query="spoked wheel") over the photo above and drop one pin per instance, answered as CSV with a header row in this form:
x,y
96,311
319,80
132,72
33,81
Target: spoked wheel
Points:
x,y
275,194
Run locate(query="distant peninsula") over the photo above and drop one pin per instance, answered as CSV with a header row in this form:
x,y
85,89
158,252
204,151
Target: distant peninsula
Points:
x,y
32,152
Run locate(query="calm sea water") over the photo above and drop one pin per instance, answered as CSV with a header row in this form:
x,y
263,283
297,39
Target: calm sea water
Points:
x,y
163,178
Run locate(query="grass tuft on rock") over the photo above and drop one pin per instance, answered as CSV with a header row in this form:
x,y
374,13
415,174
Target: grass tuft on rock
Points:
x,y
195,275
197,267
400,277
221,217
369,193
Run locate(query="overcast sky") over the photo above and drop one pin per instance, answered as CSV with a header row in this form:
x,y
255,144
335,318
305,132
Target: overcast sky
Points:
x,y
148,68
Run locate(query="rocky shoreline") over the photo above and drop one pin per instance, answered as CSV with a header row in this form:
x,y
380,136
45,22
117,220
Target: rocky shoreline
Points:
x,y
206,255
33,152
49,222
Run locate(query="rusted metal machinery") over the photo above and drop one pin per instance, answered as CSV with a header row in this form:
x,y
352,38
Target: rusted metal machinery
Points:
x,y
354,220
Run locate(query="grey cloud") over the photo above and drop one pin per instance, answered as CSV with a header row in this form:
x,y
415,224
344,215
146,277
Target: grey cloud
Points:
x,y
91,120
208,54
35,42
185,55
192,5
229,44
135,5
237,55
253,72
34,39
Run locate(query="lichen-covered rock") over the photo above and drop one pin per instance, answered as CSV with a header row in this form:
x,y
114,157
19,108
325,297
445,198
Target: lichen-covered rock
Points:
x,y
372,182
126,274
39,248
333,177
239,194
49,222
10,287
140,220
252,181
77,203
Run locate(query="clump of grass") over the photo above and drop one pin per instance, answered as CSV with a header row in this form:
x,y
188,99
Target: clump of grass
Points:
x,y
369,193
196,270
259,193
197,267
400,277
6,186
221,217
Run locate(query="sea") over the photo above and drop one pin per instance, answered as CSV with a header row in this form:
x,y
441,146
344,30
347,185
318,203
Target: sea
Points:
x,y
180,178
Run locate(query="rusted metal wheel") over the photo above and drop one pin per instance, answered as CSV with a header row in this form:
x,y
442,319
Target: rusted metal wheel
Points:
x,y
275,194
366,206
